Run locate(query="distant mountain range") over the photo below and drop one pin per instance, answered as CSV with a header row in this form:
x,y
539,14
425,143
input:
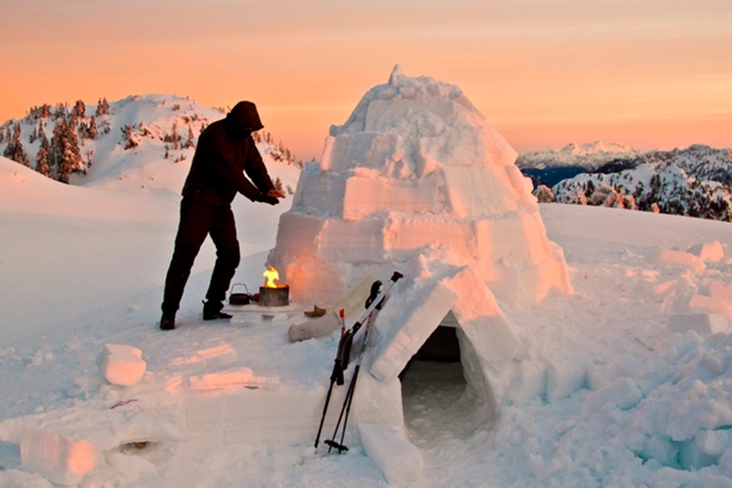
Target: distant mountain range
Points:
x,y
696,181
143,144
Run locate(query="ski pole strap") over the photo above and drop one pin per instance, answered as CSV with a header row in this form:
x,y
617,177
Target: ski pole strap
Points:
x,y
342,357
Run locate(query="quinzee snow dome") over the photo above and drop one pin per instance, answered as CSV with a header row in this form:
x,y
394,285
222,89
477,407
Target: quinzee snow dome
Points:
x,y
415,170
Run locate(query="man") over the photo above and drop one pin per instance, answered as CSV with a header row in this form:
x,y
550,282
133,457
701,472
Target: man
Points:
x,y
224,153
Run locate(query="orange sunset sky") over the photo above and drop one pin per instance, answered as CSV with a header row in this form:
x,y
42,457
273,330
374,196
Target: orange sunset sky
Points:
x,y
650,73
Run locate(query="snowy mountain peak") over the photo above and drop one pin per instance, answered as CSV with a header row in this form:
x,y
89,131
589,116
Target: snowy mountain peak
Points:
x,y
596,147
589,156
140,144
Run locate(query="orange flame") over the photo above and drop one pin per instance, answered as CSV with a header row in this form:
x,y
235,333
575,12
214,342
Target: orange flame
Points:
x,y
272,275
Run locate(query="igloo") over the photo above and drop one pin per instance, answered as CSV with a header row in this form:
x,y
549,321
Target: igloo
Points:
x,y
417,181
416,167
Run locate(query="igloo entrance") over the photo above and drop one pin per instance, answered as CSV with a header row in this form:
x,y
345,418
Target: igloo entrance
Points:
x,y
437,399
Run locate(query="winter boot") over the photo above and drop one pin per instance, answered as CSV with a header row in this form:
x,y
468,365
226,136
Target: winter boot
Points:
x,y
212,310
167,322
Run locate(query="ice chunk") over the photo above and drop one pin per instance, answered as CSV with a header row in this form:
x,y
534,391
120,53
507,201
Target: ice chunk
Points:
x,y
120,364
391,451
710,251
61,459
701,323
623,393
675,258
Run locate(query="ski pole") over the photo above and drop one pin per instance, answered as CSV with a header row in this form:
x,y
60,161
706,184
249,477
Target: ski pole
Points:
x,y
374,303
374,300
349,394
340,363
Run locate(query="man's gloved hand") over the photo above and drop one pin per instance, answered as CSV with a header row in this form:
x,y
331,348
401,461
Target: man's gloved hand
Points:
x,y
266,199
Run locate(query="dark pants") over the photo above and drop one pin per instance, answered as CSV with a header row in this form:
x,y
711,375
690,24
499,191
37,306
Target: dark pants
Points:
x,y
196,222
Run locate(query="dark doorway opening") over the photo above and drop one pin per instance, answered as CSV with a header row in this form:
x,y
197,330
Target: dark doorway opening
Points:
x,y
437,402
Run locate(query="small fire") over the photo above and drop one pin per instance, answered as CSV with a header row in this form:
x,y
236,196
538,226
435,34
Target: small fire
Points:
x,y
272,275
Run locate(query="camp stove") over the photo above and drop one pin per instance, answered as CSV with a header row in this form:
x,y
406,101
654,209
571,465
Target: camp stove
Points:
x,y
273,294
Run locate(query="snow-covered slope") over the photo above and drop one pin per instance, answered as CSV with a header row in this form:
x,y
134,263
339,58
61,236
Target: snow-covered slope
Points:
x,y
141,144
624,400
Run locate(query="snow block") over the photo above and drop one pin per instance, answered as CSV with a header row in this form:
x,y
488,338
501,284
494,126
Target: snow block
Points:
x,y
296,235
710,251
365,196
352,241
721,291
377,402
407,333
623,393
702,323
527,283
319,193
711,304
234,378
121,365
564,378
313,329
313,280
514,236
405,236
270,416
61,459
675,258
391,451
479,191
365,149
481,319
205,416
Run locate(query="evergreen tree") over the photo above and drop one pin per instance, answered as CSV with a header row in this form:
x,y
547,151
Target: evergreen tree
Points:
x,y
278,185
15,149
79,110
91,128
102,107
66,157
189,141
42,157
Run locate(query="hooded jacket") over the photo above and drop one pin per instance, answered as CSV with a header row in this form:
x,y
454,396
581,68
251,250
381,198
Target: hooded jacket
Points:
x,y
224,153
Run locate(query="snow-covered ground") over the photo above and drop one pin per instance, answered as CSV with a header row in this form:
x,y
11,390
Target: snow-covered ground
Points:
x,y
624,403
